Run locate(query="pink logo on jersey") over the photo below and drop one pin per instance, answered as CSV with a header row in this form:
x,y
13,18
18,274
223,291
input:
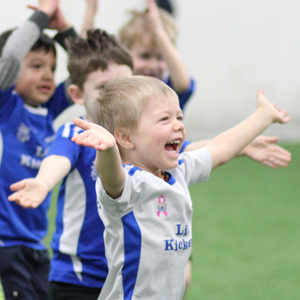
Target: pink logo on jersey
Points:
x,y
162,206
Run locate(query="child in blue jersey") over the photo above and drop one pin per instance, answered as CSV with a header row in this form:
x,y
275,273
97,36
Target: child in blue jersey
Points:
x,y
78,266
29,102
150,37
142,190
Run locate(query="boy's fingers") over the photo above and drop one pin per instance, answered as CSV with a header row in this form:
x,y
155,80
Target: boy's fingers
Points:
x,y
82,124
17,186
32,7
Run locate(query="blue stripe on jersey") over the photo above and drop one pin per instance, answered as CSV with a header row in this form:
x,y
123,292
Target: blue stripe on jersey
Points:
x,y
133,170
171,180
180,161
132,249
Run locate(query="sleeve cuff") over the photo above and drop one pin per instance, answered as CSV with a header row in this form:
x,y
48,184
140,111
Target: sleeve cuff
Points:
x,y
40,19
61,38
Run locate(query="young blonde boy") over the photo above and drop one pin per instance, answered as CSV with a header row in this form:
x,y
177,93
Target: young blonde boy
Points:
x,y
150,37
145,204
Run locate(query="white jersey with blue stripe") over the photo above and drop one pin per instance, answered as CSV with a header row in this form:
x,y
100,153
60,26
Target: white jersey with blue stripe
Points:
x,y
26,134
78,246
148,234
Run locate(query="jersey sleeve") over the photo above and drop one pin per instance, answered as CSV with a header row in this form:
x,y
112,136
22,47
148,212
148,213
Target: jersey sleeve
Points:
x,y
63,146
195,165
137,182
184,145
185,96
17,46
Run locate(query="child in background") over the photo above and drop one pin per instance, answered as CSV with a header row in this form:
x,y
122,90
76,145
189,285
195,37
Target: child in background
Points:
x,y
145,204
78,266
29,103
150,37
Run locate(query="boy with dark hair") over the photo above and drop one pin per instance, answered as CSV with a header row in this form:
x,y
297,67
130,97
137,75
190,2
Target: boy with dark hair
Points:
x,y
78,267
142,189
29,102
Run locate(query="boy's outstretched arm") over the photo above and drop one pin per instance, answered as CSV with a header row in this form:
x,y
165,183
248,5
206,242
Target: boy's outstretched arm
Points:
x,y
229,143
262,149
31,192
108,161
89,16
178,73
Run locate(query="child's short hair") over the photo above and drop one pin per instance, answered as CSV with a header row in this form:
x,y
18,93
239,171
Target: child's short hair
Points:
x,y
139,26
123,100
43,43
94,53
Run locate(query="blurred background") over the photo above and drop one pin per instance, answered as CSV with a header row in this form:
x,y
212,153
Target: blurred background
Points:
x,y
231,48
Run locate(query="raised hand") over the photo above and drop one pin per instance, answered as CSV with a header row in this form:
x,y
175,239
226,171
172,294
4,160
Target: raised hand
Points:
x,y
29,193
265,151
94,136
47,6
156,24
57,19
276,114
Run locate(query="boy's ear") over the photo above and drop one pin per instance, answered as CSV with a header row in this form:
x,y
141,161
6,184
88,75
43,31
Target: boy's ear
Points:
x,y
76,94
123,138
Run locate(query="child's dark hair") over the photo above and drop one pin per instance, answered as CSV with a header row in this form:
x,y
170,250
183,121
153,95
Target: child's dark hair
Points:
x,y
43,43
94,53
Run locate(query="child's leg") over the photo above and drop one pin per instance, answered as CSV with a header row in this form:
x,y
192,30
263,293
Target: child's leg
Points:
x,y
188,276
66,291
24,273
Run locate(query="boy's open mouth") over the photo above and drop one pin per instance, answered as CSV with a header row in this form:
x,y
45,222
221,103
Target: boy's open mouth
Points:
x,y
172,146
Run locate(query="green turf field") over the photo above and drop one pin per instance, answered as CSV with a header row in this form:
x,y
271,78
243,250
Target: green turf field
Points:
x,y
246,230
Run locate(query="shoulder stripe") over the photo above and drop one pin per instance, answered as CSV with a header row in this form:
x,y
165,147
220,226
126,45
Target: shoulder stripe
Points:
x,y
132,249
133,170
180,161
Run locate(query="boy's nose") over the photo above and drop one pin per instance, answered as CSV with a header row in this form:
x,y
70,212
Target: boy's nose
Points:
x,y
178,126
48,74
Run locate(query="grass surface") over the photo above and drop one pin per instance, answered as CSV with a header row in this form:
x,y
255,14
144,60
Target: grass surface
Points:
x,y
245,232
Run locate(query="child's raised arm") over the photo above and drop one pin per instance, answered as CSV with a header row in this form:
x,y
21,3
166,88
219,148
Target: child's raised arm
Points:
x,y
229,143
178,73
89,17
21,40
108,161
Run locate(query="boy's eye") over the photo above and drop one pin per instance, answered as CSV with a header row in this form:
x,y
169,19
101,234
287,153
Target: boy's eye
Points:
x,y
159,57
145,56
53,69
36,66
180,118
165,119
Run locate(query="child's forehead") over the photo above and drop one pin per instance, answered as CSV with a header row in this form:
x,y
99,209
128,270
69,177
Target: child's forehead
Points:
x,y
113,71
146,41
41,54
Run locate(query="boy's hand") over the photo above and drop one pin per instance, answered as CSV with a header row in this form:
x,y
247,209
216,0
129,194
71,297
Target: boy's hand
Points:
x,y
57,20
277,116
264,150
30,193
47,6
94,136
156,24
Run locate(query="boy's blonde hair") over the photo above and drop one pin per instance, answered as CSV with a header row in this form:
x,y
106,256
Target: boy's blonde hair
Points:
x,y
139,26
123,100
